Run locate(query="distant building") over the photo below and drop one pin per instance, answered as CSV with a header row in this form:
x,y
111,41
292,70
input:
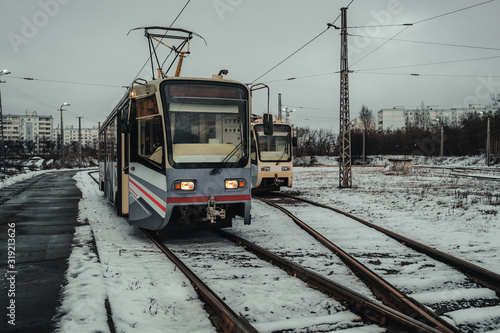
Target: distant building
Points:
x,y
89,136
33,132
392,119
399,117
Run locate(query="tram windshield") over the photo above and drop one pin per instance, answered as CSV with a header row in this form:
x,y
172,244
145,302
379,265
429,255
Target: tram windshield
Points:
x,y
276,147
207,123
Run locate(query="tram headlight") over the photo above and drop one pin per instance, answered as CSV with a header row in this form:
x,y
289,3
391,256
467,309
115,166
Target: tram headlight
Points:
x,y
266,168
184,185
285,168
231,184
234,184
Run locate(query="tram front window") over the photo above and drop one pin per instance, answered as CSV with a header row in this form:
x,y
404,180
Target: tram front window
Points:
x,y
276,147
207,124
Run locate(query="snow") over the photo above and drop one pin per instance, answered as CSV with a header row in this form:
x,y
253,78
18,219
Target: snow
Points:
x,y
467,315
456,295
20,177
147,293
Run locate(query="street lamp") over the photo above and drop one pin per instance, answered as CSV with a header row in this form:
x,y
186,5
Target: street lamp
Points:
x,y
4,72
62,132
288,115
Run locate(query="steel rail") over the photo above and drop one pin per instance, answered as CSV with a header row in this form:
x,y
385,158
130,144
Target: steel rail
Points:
x,y
365,307
225,318
478,274
390,295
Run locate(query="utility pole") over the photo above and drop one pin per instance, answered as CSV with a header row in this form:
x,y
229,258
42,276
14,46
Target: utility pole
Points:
x,y
442,141
488,143
62,132
4,72
279,107
345,173
80,140
1,134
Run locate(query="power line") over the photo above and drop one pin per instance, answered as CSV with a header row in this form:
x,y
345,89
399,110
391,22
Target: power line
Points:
x,y
293,53
407,25
66,82
432,75
429,64
453,12
301,77
307,108
22,94
329,25
380,46
429,43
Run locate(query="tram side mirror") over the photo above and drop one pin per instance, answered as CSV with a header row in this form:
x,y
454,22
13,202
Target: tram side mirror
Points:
x,y
294,141
268,124
127,117
124,120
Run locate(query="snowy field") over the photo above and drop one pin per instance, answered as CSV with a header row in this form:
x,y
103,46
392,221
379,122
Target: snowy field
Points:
x,y
457,215
147,293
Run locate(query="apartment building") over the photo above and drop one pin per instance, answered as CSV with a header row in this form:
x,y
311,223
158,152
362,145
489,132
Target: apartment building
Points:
x,y
34,131
399,117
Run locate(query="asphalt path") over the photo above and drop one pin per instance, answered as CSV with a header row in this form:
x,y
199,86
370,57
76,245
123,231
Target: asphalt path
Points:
x,y
37,221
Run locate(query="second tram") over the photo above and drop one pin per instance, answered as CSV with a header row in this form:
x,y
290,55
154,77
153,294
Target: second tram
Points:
x,y
272,155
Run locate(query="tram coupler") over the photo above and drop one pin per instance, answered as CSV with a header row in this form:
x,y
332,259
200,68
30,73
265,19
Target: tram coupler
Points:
x,y
213,211
277,181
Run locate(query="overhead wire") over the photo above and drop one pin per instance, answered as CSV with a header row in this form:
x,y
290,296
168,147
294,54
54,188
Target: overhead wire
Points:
x,y
407,25
429,43
393,38
380,46
429,64
293,53
66,82
453,12
329,25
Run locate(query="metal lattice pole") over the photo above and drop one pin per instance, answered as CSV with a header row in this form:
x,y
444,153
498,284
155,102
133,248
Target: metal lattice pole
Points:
x,y
345,173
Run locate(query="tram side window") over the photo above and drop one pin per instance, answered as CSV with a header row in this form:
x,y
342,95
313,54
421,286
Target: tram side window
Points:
x,y
101,146
149,131
111,142
253,151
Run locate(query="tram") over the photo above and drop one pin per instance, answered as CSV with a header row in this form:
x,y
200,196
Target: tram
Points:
x,y
272,155
175,152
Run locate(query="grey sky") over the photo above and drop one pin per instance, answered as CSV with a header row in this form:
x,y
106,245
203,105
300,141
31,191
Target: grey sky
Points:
x,y
86,42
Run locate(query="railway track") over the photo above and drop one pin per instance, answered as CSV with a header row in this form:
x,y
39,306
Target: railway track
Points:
x,y
229,268
453,297
239,274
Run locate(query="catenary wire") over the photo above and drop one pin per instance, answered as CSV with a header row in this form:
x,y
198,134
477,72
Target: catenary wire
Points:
x,y
429,43
303,46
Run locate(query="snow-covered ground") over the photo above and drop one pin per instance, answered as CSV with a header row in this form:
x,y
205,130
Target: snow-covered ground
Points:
x,y
147,293
458,215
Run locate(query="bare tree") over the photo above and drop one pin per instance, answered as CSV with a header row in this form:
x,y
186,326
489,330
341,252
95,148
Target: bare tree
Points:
x,y
367,123
422,117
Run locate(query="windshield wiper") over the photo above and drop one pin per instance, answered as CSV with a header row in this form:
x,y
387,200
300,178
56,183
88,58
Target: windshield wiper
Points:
x,y
219,166
282,154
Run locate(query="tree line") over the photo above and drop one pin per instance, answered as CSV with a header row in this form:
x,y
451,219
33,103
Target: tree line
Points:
x,y
468,138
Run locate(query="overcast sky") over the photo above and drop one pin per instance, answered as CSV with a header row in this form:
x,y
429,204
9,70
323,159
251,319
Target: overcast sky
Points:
x,y
78,52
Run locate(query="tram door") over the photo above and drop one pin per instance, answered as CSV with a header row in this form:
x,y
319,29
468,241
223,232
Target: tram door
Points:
x,y
146,178
125,139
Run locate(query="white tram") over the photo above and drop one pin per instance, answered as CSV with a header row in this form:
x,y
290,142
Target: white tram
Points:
x,y
175,153
271,155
